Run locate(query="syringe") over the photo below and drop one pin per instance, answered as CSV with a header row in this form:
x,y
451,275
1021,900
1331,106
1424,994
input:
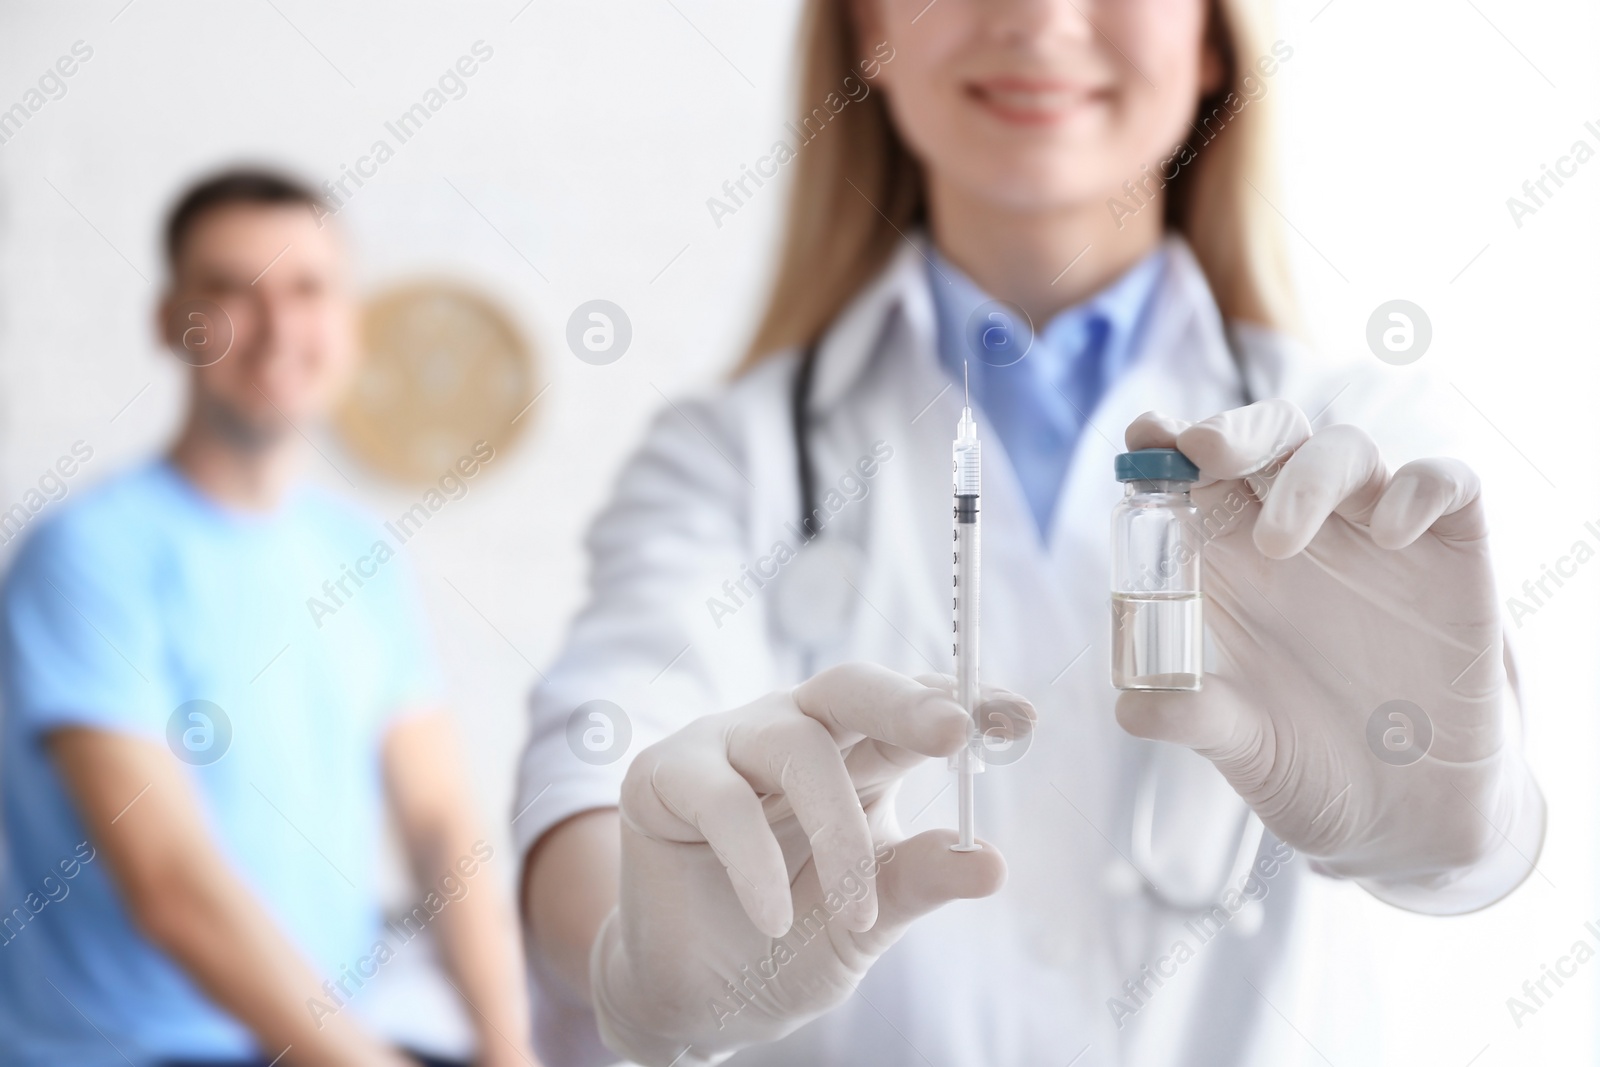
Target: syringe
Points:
x,y
964,610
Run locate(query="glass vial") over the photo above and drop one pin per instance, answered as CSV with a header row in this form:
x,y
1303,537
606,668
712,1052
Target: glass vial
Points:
x,y
1157,632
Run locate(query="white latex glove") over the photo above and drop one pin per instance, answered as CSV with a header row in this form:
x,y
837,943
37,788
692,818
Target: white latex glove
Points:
x,y
762,872
1348,588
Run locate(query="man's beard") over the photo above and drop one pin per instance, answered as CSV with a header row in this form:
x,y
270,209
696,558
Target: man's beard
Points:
x,y
238,430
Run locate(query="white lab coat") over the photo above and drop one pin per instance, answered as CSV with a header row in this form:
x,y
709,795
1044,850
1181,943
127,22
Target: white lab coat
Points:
x,y
1023,978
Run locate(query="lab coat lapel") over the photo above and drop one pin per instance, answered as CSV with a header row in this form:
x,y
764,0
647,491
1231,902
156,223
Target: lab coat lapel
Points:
x,y
876,379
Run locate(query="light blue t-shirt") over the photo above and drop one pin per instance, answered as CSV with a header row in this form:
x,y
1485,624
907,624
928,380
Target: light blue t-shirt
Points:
x,y
133,601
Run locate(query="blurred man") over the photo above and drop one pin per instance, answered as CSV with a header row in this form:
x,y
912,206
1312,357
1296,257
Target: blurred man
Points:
x,y
195,759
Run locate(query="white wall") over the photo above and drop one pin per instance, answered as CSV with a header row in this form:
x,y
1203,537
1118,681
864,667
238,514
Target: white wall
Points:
x,y
592,139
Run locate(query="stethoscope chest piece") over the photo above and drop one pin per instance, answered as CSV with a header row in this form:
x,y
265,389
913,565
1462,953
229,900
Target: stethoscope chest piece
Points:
x,y
814,595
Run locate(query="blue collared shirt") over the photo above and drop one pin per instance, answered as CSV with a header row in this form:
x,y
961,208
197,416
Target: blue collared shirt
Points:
x,y
1038,390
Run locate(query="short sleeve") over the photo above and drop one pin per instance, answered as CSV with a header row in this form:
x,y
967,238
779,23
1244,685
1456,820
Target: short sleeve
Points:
x,y
81,642
383,625
414,679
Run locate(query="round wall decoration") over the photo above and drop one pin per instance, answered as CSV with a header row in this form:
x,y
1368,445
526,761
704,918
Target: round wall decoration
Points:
x,y
445,368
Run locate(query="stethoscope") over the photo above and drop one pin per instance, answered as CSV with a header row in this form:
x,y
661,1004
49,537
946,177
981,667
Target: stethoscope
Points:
x,y
808,623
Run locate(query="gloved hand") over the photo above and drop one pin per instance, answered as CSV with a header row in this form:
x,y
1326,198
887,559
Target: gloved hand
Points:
x,y
1348,588
762,869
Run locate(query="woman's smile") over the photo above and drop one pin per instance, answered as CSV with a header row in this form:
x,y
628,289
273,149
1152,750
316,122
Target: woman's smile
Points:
x,y
1035,101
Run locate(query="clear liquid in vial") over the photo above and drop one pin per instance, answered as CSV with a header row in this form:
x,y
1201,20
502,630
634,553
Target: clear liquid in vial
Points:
x,y
1157,640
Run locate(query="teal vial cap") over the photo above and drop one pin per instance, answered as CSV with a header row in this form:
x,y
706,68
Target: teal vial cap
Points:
x,y
1156,465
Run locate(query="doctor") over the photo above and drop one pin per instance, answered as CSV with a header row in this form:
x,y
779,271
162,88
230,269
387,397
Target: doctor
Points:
x,y
734,802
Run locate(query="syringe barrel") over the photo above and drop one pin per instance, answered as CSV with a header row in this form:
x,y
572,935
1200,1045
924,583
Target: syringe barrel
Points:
x,y
964,610
967,456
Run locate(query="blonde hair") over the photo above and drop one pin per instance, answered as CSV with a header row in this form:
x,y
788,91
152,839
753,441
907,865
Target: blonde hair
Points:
x,y
857,187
